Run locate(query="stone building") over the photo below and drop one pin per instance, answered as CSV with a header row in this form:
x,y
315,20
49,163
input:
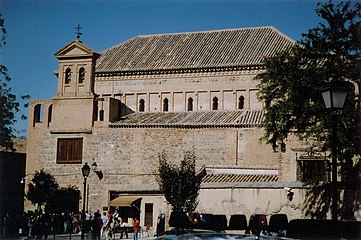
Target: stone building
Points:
x,y
169,93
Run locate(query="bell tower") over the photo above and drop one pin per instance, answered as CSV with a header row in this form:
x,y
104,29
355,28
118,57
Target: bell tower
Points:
x,y
76,70
73,105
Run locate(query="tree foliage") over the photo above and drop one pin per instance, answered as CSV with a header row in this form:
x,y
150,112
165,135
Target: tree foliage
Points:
x,y
328,54
65,200
292,82
42,188
9,104
180,185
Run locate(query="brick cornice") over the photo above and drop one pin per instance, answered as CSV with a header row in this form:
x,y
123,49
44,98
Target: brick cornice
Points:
x,y
180,71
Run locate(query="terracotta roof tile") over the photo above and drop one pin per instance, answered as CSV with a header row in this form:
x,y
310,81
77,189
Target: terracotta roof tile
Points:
x,y
208,49
220,118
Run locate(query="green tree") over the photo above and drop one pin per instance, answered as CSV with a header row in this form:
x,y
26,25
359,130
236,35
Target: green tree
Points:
x,y
65,200
9,104
42,188
291,85
180,185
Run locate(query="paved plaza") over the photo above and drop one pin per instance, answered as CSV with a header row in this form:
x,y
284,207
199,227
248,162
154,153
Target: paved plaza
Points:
x,y
88,236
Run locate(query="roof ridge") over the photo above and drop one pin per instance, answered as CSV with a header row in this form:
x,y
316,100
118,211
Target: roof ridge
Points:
x,y
191,32
282,34
194,50
204,31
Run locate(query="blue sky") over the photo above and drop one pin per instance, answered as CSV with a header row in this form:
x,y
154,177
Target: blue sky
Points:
x,y
38,28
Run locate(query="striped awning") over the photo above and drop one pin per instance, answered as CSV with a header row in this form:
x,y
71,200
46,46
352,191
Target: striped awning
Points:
x,y
232,178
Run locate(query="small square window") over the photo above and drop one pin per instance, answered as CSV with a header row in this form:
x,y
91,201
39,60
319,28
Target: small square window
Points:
x,y
313,170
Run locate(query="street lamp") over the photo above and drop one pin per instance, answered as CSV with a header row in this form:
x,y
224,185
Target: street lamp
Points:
x,y
334,99
85,170
94,166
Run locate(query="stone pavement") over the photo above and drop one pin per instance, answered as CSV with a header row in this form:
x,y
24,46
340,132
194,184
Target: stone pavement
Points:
x,y
88,236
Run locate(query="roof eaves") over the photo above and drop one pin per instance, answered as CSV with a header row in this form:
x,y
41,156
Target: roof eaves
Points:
x,y
184,125
176,70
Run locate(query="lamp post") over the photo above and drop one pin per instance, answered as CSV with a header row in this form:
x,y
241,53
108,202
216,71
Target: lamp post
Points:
x,y
334,99
85,170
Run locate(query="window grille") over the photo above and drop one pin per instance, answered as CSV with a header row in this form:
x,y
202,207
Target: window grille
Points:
x,y
313,168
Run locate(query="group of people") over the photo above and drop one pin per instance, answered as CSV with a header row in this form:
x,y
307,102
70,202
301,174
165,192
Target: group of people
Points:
x,y
39,225
104,226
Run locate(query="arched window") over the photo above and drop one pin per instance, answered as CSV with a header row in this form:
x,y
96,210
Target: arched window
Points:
x,y
67,76
37,114
141,105
81,75
241,102
215,103
190,104
50,113
165,105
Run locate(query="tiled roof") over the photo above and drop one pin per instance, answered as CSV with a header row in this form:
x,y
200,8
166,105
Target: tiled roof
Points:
x,y
208,49
219,118
228,178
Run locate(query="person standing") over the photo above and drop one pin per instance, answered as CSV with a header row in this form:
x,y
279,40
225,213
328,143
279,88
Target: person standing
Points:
x,y
87,221
135,228
31,220
45,225
124,231
75,223
104,231
96,224
109,225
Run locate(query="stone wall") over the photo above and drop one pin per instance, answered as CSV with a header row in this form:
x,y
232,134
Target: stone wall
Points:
x,y
129,157
136,150
268,200
177,89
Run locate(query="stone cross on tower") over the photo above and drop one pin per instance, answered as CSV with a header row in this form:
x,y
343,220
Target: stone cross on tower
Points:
x,y
78,33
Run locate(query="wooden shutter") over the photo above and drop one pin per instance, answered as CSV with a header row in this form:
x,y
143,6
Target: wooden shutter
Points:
x,y
78,149
69,150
